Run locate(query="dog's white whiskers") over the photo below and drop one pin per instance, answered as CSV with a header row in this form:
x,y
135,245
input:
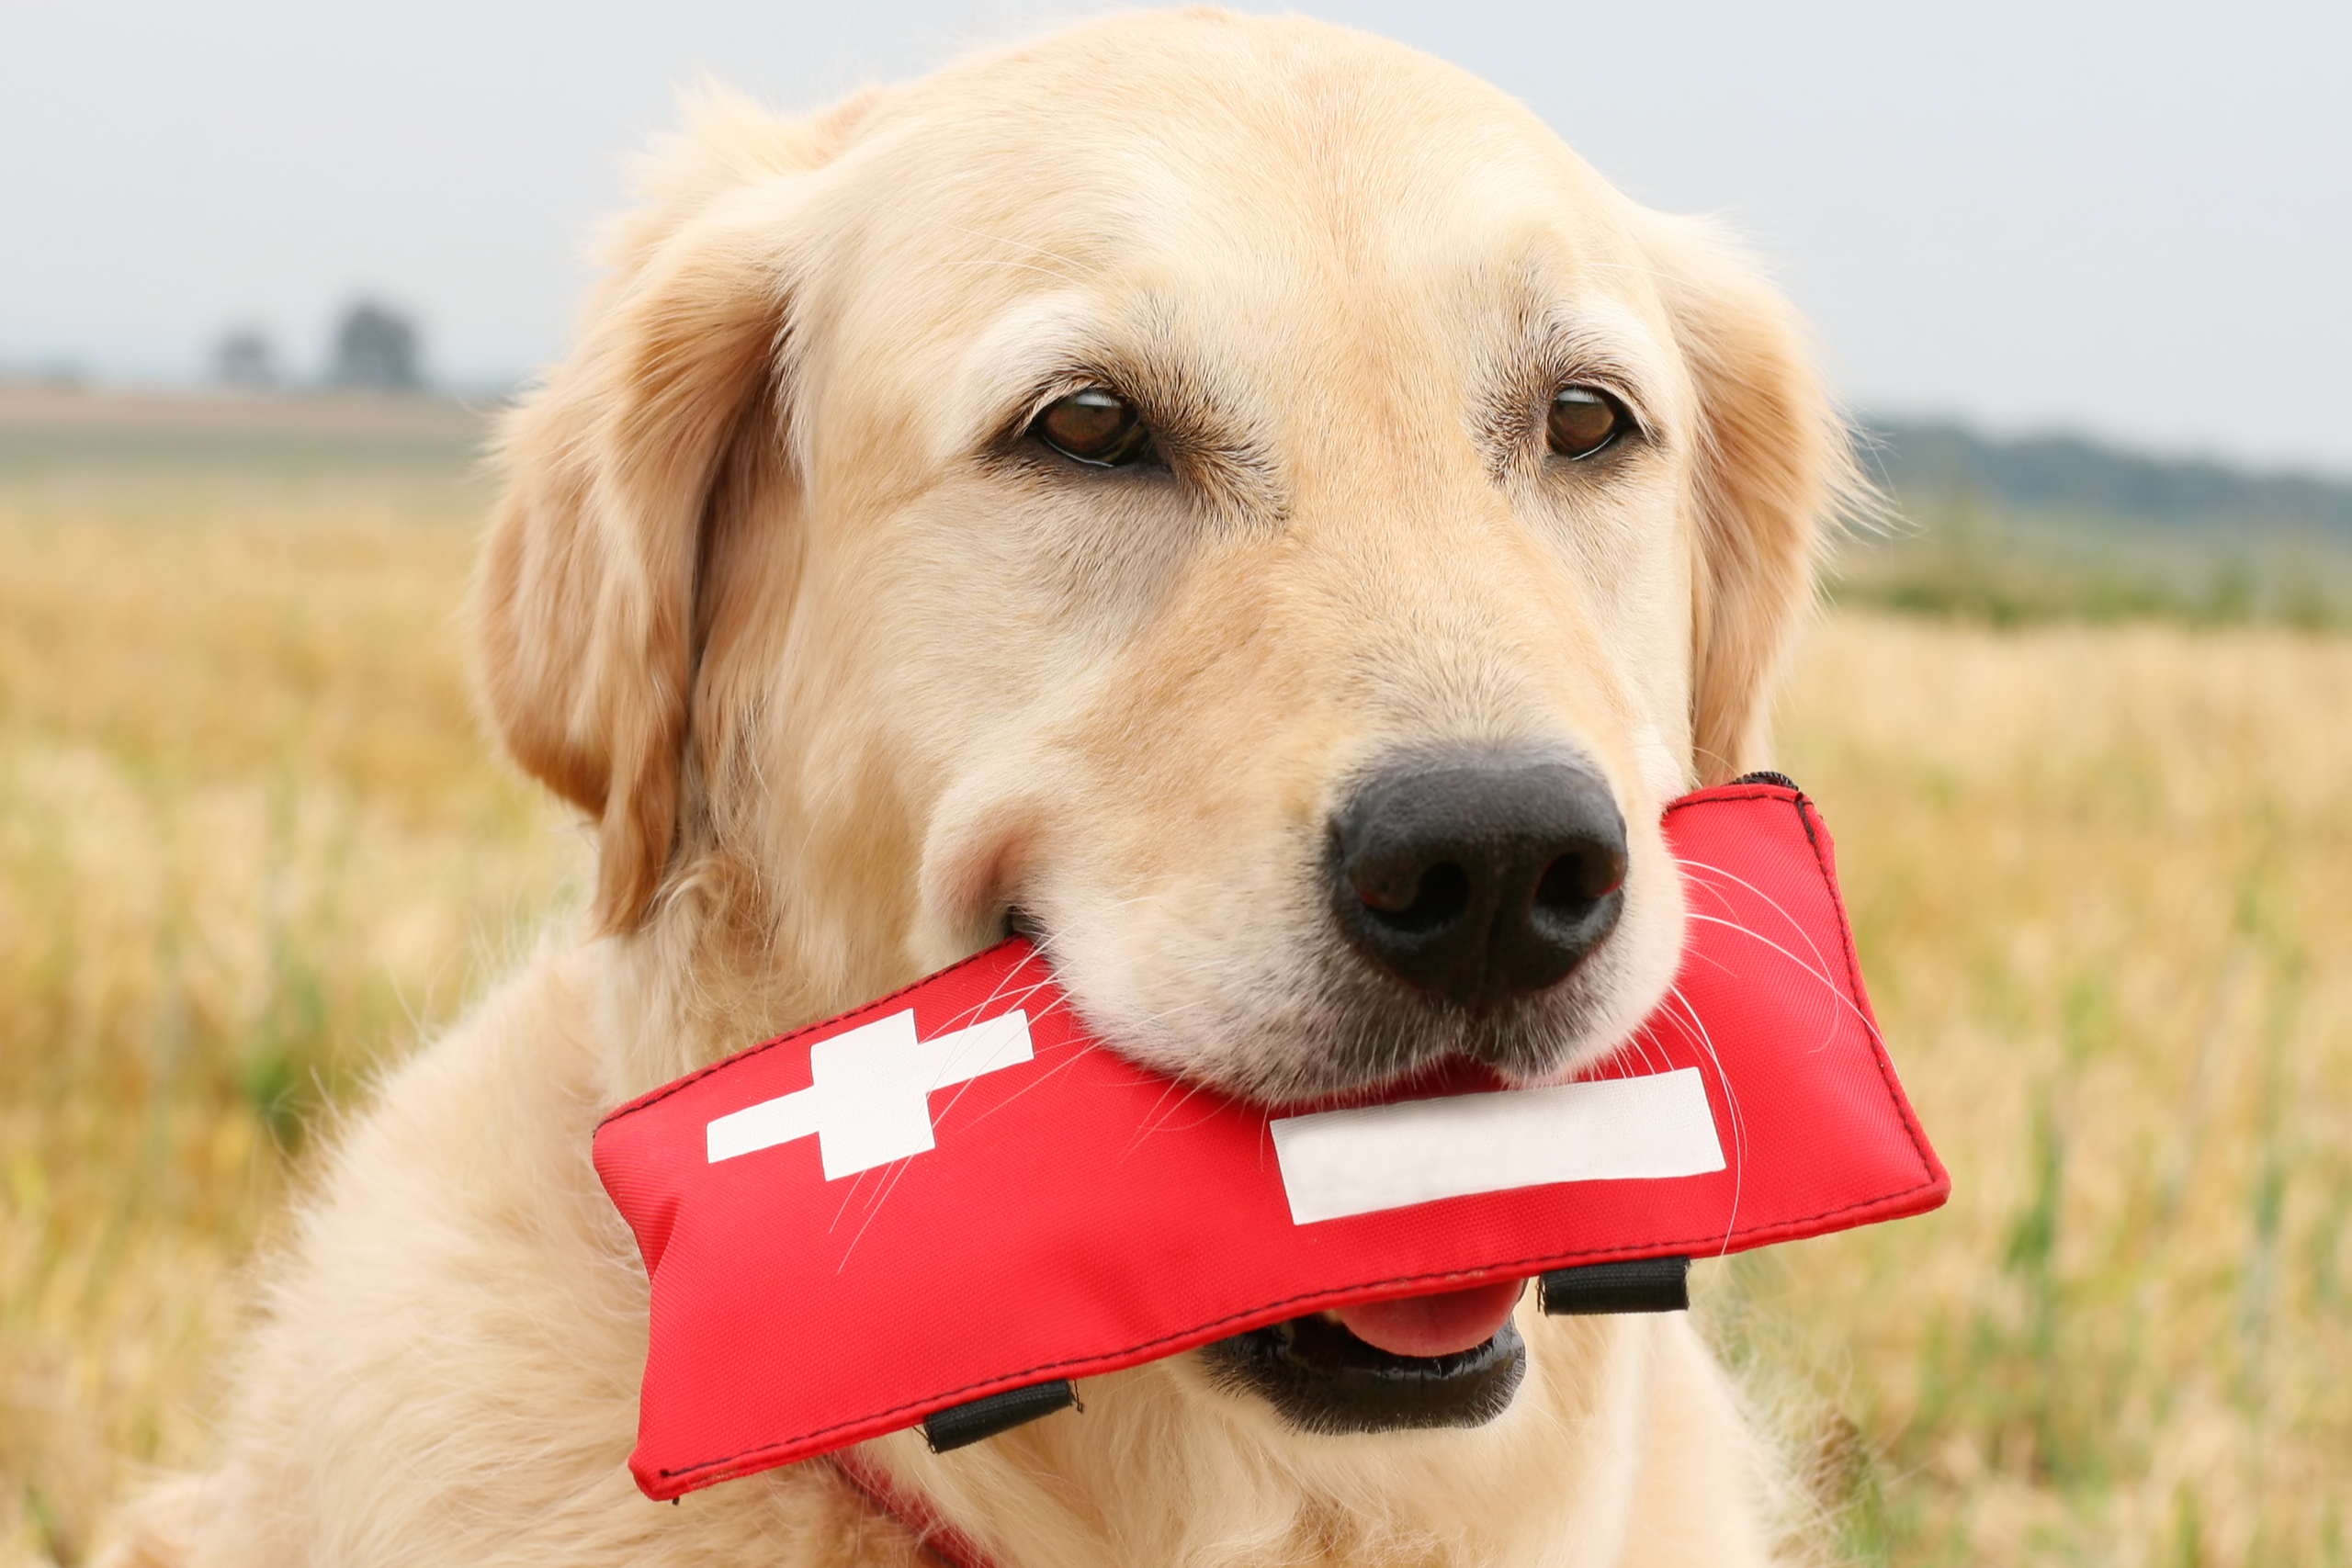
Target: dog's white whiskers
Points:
x,y
1777,908
1828,984
1731,1106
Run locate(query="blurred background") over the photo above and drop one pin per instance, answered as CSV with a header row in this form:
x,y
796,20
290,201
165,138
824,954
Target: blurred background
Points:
x,y
2081,713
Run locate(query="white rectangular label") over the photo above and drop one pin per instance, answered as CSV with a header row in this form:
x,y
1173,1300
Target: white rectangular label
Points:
x,y
1337,1163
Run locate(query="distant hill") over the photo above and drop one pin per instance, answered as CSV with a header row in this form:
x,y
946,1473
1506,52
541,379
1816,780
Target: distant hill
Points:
x,y
60,429
1932,464
2057,527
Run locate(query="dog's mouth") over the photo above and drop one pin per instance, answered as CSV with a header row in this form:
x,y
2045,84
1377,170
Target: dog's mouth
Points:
x,y
1450,1359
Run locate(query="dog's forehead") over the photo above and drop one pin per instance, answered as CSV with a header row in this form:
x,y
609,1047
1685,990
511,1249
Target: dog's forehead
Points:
x,y
1274,185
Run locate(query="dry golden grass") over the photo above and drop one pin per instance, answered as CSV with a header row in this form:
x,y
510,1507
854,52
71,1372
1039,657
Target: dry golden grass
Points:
x,y
250,844
2099,880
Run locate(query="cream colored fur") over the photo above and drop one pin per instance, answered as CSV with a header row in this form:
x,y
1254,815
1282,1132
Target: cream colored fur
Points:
x,y
838,677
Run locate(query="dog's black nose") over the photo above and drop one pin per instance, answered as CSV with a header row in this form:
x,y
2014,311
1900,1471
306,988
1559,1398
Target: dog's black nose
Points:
x,y
1477,876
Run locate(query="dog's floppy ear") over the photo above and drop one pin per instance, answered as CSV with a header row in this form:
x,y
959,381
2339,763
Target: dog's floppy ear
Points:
x,y
585,607
1772,468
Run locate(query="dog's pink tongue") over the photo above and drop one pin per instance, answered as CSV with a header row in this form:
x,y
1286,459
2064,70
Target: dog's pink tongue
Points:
x,y
1433,1326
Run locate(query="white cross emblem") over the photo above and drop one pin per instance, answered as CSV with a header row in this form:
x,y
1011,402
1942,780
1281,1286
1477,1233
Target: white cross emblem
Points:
x,y
868,1100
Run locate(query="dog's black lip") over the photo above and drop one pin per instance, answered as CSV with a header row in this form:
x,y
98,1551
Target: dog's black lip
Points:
x,y
1320,1378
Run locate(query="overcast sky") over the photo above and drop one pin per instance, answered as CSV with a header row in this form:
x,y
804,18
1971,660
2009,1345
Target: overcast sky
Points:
x,y
2133,219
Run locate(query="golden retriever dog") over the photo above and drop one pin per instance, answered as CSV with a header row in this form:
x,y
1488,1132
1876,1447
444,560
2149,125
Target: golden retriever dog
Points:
x,y
1232,498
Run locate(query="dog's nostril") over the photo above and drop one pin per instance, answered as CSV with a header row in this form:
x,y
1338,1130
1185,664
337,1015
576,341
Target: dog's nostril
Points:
x,y
1439,896
1476,875
1571,883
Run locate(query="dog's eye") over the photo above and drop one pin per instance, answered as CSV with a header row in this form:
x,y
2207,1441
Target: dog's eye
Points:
x,y
1095,426
1583,420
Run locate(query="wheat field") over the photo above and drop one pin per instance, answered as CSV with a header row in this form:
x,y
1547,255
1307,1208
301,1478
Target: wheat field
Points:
x,y
252,846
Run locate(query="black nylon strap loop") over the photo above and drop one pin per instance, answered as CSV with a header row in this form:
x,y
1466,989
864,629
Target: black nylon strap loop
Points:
x,y
959,1424
1636,1284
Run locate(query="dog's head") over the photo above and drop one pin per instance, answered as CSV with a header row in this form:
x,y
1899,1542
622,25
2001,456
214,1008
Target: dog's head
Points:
x,y
1238,500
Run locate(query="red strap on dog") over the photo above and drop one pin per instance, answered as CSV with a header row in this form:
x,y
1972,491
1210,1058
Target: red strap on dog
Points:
x,y
939,1208
932,1533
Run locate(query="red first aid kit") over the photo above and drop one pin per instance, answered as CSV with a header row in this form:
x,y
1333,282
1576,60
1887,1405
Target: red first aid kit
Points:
x,y
939,1208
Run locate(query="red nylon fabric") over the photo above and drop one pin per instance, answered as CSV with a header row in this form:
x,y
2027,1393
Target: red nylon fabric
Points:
x,y
1077,1214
